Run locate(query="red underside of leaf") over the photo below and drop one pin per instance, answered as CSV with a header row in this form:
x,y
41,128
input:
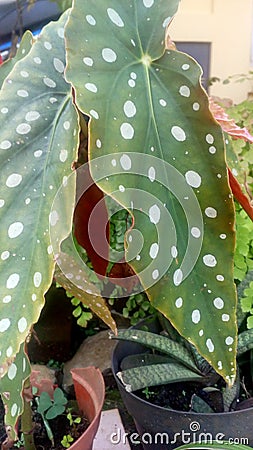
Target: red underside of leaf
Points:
x,y
95,237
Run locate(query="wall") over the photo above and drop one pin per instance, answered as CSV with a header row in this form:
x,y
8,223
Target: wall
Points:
x,y
227,25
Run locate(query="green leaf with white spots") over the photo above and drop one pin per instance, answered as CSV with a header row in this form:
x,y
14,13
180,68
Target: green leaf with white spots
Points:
x,y
23,49
37,150
11,387
162,157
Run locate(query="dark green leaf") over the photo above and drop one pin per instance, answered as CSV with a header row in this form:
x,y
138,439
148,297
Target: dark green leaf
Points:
x,y
156,374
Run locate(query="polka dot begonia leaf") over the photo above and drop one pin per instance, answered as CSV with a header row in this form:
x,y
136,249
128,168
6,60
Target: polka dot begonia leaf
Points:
x,y
155,148
24,48
39,139
11,386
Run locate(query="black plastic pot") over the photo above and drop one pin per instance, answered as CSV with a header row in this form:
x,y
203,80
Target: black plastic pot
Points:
x,y
160,428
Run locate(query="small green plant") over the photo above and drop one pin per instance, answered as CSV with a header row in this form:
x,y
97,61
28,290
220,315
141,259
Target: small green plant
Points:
x,y
148,393
73,421
68,439
52,408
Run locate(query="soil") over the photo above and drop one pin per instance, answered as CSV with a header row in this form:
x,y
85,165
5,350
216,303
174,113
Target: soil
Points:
x,y
60,426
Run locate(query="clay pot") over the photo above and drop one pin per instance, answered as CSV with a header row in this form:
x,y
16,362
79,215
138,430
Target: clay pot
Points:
x,y
90,393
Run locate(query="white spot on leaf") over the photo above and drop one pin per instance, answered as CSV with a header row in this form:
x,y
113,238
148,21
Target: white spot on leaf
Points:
x,y
184,91
22,324
151,174
94,114
195,232
32,115
15,229
63,155
153,251
91,20
91,87
177,277
218,303
229,340
12,281
37,278
58,65
129,108
211,212
23,128
209,139
22,93
193,178
179,302
154,214
196,316
178,133
155,274
109,55
88,61
37,153
13,180
5,145
5,255
53,218
12,371
115,17
148,3
49,82
125,162
4,325
210,346
209,260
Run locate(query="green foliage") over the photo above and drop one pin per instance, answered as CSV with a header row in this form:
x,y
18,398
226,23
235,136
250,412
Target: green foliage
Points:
x,y
137,307
52,408
67,441
243,260
81,312
73,421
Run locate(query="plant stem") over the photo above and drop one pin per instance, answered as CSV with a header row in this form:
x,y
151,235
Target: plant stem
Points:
x,y
27,424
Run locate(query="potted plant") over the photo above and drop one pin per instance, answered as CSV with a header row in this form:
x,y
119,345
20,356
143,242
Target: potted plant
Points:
x,y
174,395
154,149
